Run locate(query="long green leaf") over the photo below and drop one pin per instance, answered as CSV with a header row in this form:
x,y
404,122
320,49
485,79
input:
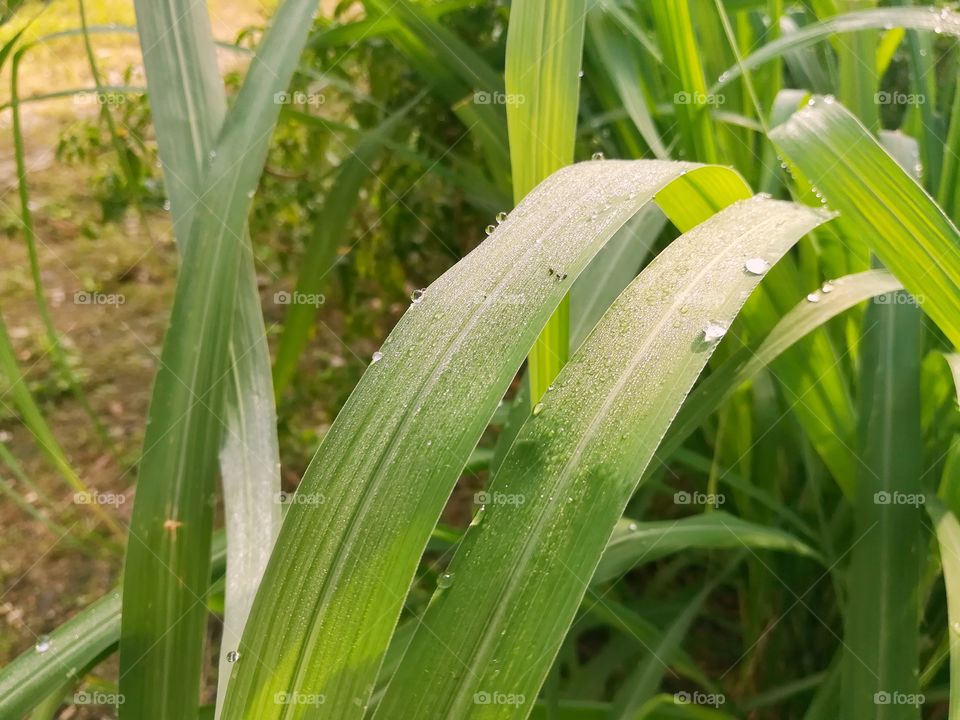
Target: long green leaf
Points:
x,y
634,543
390,460
806,317
519,575
948,537
938,20
166,572
542,76
879,201
880,637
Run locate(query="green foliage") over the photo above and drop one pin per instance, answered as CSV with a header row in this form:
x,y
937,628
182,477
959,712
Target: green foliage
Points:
x,y
700,497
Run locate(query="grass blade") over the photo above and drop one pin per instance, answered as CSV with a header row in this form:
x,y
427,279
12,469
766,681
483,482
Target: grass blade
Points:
x,y
166,572
634,543
311,632
881,638
941,21
741,367
879,201
544,57
523,570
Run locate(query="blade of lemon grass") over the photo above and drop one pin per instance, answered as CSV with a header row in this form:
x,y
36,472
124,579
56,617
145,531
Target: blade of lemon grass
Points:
x,y
391,458
166,573
880,620
687,82
879,202
544,57
948,537
634,543
55,345
856,55
943,511
846,292
940,21
523,568
180,62
948,194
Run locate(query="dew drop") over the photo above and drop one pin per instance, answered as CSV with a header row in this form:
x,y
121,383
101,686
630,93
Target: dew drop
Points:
x,y
43,644
956,627
829,99
490,229
251,193
756,266
212,155
813,297
633,527
501,216
445,580
166,205
537,409
233,656
598,156
827,287
417,295
723,77
713,332
377,357
580,74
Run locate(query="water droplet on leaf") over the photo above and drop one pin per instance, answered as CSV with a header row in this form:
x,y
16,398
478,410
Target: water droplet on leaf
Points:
x,y
756,266
713,332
